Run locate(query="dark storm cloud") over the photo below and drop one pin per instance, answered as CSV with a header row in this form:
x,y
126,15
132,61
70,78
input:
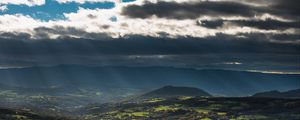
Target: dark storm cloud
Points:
x,y
213,24
283,37
268,24
253,50
287,8
133,45
65,32
11,35
189,10
284,8
277,38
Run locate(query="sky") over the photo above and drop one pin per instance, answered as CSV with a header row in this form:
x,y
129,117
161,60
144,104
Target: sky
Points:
x,y
252,35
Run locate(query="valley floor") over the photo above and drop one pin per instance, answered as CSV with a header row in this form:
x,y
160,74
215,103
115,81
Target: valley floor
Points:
x,y
176,108
199,108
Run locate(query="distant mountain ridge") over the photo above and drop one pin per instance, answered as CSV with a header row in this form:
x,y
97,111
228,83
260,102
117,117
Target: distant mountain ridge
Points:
x,y
170,91
277,94
224,82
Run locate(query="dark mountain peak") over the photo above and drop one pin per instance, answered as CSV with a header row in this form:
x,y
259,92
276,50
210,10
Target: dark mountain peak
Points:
x,y
292,93
273,91
267,94
276,94
296,90
168,91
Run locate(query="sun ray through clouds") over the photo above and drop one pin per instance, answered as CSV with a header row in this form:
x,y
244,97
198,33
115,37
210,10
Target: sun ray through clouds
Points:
x,y
149,59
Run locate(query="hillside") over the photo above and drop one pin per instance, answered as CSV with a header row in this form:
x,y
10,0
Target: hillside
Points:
x,y
171,91
17,114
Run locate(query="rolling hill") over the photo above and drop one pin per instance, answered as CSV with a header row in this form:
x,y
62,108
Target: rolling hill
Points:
x,y
173,91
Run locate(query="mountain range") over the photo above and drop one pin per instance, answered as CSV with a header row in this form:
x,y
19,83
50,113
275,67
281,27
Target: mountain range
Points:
x,y
220,82
278,94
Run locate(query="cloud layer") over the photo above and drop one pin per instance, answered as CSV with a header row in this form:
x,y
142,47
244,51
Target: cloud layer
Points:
x,y
23,2
165,19
164,31
84,1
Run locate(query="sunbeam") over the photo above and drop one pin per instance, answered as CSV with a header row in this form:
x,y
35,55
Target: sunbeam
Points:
x,y
149,59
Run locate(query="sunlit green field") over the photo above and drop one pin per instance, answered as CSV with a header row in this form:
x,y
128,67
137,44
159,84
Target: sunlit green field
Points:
x,y
16,105
198,108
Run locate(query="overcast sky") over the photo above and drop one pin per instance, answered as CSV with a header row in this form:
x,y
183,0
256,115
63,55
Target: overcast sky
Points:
x,y
256,35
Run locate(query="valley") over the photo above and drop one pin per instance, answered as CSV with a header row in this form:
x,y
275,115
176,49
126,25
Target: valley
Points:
x,y
169,102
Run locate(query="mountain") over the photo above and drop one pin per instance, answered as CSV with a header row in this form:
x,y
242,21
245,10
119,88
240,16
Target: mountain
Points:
x,y
277,94
169,91
222,82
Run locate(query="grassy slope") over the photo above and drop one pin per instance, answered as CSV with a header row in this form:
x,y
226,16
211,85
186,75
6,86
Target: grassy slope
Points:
x,y
199,108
